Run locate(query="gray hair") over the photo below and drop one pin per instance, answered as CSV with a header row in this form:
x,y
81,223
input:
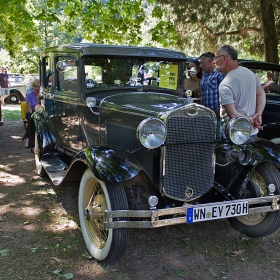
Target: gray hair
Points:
x,y
36,83
230,51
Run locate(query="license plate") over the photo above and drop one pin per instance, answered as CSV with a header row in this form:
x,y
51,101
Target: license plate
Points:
x,y
216,211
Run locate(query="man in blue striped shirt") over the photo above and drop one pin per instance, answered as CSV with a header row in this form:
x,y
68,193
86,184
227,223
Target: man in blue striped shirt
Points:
x,y
210,82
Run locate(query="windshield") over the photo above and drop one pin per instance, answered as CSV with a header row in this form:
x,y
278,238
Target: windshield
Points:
x,y
131,72
15,79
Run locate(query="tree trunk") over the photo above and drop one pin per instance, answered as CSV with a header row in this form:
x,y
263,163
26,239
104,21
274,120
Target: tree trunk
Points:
x,y
269,31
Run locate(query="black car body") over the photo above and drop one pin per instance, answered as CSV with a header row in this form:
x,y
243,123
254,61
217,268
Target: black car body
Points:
x,y
145,157
268,73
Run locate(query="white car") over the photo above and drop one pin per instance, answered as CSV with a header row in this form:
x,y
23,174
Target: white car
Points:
x,y
19,88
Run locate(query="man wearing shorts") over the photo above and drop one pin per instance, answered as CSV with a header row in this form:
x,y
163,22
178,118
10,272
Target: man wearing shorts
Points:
x,y
4,84
4,90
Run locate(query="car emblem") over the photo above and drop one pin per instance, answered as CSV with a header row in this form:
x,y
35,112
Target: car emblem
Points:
x,y
188,192
192,112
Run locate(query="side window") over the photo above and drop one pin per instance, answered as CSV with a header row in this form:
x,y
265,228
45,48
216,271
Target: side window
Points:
x,y
67,74
93,75
46,72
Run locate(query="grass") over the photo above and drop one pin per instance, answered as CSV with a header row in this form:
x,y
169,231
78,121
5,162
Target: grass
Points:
x,y
11,114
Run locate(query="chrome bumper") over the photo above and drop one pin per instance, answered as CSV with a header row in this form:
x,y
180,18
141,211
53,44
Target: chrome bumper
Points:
x,y
177,215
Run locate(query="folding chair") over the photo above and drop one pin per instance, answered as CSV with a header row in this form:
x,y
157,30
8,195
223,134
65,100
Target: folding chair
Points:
x,y
23,115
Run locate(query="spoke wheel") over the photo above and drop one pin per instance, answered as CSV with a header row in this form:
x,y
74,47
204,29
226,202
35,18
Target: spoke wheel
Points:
x,y
94,198
259,224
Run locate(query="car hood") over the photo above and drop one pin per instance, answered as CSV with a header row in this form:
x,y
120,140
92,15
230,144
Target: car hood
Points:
x,y
146,104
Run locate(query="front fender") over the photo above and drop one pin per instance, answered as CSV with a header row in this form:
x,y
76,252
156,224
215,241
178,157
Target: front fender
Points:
x,y
110,164
233,175
45,130
264,150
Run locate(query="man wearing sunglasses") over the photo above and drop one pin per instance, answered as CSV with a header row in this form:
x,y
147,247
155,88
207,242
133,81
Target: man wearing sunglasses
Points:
x,y
240,92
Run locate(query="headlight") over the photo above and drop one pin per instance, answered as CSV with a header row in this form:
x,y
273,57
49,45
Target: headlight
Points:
x,y
238,130
151,133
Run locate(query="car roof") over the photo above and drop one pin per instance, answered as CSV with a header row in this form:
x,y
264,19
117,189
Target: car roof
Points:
x,y
117,50
260,65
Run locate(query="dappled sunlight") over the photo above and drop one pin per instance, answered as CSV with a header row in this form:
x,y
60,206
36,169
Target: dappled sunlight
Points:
x,y
45,191
30,226
15,137
31,211
6,178
93,269
64,224
6,208
2,195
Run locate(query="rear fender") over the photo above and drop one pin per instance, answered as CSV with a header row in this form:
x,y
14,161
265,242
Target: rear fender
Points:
x,y
110,164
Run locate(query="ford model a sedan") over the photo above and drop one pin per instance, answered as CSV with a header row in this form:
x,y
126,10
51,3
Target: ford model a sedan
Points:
x,y
114,121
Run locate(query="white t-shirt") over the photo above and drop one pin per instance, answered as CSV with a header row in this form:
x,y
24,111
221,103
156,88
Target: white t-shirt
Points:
x,y
239,88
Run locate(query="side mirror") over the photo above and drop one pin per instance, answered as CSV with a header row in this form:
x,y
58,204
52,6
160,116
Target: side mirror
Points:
x,y
61,66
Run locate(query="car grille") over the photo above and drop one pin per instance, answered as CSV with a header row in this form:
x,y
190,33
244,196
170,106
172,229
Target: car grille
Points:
x,y
188,169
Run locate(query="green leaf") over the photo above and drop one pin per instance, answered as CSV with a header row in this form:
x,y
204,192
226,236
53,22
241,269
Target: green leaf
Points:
x,y
34,250
87,256
68,275
212,272
57,271
4,252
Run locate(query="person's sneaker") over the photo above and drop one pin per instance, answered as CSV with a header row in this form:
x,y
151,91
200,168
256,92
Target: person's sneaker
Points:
x,y
1,123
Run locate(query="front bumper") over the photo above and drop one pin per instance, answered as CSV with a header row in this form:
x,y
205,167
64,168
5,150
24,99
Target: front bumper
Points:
x,y
177,215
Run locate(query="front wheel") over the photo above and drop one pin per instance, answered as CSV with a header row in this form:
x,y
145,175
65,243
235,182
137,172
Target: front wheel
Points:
x,y
94,198
259,224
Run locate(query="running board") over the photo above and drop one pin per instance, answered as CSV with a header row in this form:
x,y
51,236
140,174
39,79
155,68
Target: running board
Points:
x,y
55,168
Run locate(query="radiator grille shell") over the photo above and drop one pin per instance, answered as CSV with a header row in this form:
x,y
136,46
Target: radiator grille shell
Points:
x,y
188,169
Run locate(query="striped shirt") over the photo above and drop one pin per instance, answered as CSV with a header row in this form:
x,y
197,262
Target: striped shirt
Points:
x,y
210,89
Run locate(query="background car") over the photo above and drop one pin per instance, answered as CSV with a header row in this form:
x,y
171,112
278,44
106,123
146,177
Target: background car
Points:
x,y
20,86
268,73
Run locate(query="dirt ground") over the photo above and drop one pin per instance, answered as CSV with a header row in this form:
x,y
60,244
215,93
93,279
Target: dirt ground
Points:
x,y
40,236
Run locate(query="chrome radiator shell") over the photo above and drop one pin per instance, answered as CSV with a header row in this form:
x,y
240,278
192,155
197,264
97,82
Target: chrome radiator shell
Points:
x,y
188,167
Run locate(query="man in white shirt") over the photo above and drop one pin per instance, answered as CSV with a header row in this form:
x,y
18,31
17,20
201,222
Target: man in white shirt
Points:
x,y
240,92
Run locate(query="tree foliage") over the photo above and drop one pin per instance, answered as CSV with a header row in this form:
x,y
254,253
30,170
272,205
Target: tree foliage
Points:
x,y
16,26
107,21
253,27
205,25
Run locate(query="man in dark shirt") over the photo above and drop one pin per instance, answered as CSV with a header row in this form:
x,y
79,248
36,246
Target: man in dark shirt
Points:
x,y
4,84
4,89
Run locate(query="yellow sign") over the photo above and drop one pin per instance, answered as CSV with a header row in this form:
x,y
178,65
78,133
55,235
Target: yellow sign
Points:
x,y
168,76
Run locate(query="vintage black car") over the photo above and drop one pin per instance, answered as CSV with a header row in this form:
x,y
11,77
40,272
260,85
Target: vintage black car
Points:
x,y
114,120
268,73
